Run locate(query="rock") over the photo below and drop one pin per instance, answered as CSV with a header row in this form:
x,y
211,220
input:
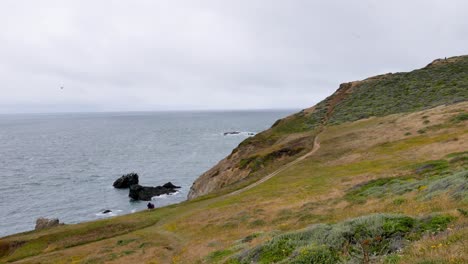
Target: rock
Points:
x,y
231,133
170,186
42,223
145,193
106,211
126,181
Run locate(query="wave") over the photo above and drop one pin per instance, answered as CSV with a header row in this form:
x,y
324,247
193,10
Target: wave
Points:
x,y
164,196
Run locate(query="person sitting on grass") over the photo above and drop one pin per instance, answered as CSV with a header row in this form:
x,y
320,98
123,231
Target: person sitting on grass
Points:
x,y
150,206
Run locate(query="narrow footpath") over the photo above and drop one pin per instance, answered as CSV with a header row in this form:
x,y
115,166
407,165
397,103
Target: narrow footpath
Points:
x,y
271,175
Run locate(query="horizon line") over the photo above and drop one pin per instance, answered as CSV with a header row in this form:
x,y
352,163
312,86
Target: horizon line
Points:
x,y
152,111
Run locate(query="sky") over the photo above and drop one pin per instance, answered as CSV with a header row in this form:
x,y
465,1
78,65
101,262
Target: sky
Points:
x,y
137,55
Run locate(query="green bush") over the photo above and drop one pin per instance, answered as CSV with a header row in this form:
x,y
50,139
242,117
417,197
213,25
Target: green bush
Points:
x,y
400,225
316,254
436,223
455,184
278,249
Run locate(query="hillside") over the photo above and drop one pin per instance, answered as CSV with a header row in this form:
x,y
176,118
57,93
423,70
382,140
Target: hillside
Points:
x,y
386,183
441,82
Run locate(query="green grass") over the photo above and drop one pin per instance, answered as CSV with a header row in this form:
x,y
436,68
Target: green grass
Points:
x,y
74,235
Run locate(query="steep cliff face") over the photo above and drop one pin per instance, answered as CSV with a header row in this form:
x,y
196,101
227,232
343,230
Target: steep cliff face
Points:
x,y
444,81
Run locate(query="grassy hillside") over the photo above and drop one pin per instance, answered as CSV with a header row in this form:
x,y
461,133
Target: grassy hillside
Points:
x,y
386,189
441,82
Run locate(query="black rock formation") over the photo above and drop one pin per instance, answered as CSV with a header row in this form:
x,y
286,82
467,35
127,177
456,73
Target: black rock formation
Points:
x,y
126,181
170,186
144,193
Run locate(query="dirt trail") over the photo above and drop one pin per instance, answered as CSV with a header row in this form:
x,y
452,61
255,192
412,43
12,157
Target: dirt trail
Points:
x,y
271,175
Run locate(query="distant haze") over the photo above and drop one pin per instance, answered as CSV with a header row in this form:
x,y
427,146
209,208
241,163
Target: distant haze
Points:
x,y
182,55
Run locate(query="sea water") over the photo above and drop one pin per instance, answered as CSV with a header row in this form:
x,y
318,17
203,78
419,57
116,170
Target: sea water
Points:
x,y
63,165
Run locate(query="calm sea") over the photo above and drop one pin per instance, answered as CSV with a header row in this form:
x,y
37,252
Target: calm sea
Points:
x,y
63,165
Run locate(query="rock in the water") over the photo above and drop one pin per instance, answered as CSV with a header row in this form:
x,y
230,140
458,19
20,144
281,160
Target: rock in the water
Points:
x,y
138,192
42,223
126,181
107,211
170,186
232,133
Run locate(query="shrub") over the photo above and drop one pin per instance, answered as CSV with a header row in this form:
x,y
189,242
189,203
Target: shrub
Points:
x,y
380,188
278,249
316,254
460,117
436,223
399,225
455,184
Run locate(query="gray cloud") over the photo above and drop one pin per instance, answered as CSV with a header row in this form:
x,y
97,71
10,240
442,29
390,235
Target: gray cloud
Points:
x,y
159,55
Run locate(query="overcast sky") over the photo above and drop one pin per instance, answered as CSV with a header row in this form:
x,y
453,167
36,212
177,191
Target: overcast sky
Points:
x,y
180,55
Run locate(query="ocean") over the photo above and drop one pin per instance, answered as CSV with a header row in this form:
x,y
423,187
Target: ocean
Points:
x,y
63,165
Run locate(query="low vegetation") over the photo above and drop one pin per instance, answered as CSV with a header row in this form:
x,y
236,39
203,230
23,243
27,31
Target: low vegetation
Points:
x,y
428,180
359,240
437,84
